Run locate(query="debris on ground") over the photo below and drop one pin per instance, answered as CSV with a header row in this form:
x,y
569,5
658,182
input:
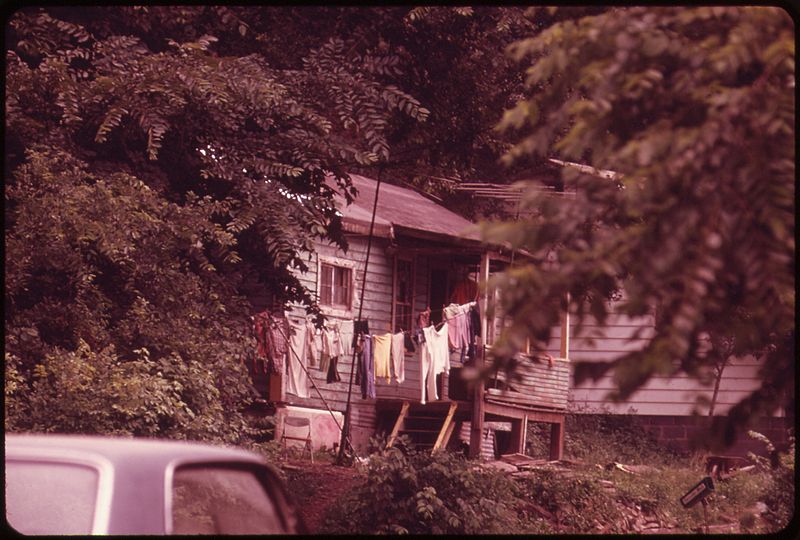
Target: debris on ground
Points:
x,y
632,469
500,465
721,467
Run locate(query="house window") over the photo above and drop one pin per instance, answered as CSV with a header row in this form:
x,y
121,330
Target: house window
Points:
x,y
403,294
335,286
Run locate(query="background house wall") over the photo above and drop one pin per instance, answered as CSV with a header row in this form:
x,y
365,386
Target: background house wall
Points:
x,y
665,404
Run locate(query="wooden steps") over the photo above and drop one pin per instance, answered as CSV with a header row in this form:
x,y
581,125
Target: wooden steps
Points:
x,y
427,426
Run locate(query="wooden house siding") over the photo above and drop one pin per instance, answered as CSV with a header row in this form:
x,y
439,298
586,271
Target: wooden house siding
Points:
x,y
377,310
538,383
671,396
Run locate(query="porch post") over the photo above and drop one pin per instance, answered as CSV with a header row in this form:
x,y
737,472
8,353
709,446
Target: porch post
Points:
x,y
557,440
519,427
476,427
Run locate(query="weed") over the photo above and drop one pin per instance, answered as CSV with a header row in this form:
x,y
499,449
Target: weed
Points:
x,y
416,492
603,438
779,489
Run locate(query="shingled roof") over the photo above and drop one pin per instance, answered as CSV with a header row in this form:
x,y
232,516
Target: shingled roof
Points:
x,y
402,211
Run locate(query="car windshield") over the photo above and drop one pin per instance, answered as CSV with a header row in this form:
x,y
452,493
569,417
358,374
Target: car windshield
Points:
x,y
212,499
50,498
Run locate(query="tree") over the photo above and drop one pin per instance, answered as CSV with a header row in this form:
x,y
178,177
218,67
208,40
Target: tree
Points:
x,y
694,109
156,164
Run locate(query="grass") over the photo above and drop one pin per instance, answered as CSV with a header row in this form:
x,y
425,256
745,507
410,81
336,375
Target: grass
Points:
x,y
590,497
598,440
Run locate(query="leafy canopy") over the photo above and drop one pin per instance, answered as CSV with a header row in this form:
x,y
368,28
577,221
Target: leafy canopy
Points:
x,y
159,169
694,109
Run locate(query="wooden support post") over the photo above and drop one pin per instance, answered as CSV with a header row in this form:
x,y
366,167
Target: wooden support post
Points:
x,y
476,427
398,424
518,428
557,440
565,332
447,428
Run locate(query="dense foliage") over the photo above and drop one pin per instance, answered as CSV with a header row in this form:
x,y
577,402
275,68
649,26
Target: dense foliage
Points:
x,y
158,169
409,492
693,109
780,489
164,163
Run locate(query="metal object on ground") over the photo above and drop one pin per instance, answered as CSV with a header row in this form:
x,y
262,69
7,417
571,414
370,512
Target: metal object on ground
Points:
x,y
698,493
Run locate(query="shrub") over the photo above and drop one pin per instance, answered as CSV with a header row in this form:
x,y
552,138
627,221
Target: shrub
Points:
x,y
779,492
578,503
419,493
602,438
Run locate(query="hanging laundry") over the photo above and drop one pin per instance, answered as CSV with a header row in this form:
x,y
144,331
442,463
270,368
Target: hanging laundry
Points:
x,y
301,355
261,323
367,368
474,331
333,370
329,346
456,317
346,337
381,350
423,321
458,322
399,357
311,344
331,351
409,343
279,343
360,327
434,359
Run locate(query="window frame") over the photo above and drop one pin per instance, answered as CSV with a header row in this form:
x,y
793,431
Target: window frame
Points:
x,y
337,310
412,260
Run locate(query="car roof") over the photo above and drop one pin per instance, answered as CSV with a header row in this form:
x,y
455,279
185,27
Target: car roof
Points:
x,y
129,449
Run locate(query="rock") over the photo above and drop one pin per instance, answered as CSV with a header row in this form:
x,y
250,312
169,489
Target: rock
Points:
x,y
500,465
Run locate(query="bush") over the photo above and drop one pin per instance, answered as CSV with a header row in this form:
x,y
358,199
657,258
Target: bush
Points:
x,y
779,492
420,493
578,503
602,438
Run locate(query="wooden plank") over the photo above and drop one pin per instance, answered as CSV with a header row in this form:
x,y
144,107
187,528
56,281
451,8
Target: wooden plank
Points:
x,y
446,426
515,411
565,332
518,429
525,399
557,440
398,424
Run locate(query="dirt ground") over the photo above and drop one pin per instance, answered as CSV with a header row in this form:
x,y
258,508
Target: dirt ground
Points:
x,y
317,486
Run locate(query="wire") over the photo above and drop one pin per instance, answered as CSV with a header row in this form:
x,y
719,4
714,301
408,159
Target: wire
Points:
x,y
347,411
310,378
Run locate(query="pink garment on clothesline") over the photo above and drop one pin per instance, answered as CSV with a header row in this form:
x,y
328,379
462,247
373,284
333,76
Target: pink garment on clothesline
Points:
x,y
457,317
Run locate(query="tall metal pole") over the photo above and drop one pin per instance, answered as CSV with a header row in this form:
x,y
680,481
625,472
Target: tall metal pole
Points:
x,y
347,412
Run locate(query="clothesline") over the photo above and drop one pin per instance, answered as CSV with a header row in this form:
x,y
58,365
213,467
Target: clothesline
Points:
x,y
379,354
